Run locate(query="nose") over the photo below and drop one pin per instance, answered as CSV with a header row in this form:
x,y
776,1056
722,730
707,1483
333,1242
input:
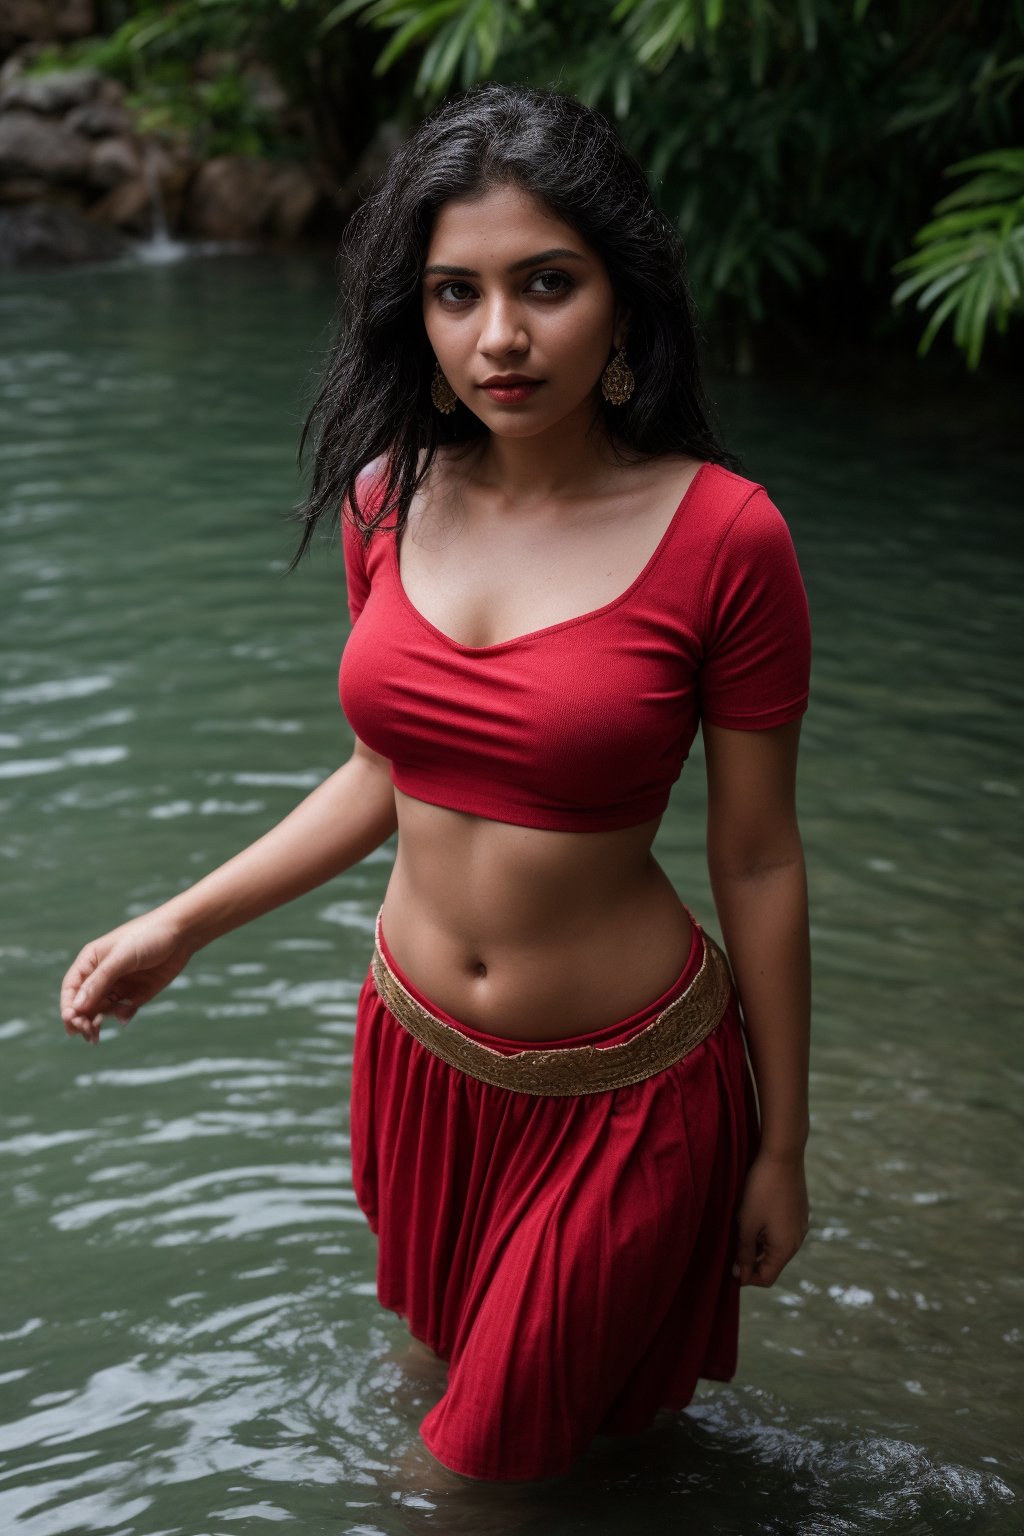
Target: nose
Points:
x,y
501,327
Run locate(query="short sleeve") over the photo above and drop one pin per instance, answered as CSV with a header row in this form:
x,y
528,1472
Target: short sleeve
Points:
x,y
756,624
371,487
357,580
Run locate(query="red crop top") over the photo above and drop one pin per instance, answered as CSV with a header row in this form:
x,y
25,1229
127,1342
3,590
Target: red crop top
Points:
x,y
585,724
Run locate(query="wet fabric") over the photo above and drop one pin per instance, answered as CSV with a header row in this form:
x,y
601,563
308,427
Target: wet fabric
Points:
x,y
570,1257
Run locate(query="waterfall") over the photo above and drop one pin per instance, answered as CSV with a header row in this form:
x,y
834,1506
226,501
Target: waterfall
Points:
x,y
160,246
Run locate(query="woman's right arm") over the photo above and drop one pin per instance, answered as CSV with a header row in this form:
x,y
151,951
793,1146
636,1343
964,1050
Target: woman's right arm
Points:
x,y
345,818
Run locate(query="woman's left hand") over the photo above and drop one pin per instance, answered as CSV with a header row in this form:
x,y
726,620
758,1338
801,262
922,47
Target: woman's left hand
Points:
x,y
772,1219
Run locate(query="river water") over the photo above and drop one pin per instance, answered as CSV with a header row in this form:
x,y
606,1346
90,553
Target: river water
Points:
x,y
191,1340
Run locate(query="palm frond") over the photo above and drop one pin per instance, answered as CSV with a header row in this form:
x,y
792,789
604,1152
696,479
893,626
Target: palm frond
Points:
x,y
971,257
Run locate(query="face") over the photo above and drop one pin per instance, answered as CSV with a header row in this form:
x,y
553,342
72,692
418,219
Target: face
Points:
x,y
511,289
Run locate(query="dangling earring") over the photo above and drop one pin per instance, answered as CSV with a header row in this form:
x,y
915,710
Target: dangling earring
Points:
x,y
617,381
442,394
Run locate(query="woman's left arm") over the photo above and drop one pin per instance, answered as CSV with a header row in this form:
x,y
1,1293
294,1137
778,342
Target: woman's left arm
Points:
x,y
759,883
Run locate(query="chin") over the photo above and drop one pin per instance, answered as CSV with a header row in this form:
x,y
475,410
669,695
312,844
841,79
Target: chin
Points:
x,y
518,428
524,422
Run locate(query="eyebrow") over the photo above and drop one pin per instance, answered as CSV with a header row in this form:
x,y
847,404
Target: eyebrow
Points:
x,y
558,253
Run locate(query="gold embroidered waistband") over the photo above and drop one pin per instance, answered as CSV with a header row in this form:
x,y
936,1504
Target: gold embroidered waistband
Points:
x,y
575,1069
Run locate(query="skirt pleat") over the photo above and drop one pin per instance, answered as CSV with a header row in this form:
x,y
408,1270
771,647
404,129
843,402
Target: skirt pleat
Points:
x,y
569,1256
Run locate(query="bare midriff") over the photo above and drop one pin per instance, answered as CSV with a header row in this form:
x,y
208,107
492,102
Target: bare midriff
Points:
x,y
531,934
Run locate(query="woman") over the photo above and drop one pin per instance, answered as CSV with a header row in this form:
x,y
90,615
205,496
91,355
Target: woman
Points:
x,y
553,575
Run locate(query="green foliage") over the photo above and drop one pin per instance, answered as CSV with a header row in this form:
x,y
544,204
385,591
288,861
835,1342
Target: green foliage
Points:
x,y
463,37
154,53
51,56
798,144
216,116
971,261
790,141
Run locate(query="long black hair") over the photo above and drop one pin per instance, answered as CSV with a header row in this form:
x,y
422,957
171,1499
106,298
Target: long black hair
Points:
x,y
374,398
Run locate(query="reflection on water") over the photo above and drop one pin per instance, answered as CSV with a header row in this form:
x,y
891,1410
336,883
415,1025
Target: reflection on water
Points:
x,y
191,1337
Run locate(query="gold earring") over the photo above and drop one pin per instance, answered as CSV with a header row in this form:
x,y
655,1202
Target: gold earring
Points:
x,y
442,394
617,381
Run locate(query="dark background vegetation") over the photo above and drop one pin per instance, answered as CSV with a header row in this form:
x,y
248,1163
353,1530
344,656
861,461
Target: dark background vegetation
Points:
x,y
812,152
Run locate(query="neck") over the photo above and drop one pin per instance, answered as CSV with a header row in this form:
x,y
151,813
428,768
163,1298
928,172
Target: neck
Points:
x,y
564,461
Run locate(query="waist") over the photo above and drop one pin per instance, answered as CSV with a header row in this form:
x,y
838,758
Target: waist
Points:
x,y
533,969
662,1032
529,932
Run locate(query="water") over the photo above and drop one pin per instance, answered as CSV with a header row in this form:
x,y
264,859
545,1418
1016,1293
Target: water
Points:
x,y
191,1339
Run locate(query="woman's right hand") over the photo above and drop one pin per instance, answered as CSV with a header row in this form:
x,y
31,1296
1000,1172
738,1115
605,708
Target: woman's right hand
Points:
x,y
119,972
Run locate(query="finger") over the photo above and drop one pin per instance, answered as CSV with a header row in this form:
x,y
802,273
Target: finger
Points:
x,y
94,991
76,974
766,1273
771,1263
86,1030
78,1024
746,1256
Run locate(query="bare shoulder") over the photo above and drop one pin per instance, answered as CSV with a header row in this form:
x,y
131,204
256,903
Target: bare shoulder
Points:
x,y
654,483
438,499
673,470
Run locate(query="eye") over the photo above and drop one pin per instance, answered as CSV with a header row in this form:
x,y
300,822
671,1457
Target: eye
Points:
x,y
454,294
443,289
564,283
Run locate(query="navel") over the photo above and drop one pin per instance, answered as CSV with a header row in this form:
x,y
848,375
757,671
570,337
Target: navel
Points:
x,y
479,969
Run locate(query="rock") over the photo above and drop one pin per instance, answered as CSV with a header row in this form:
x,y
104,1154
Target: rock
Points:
x,y
14,67
53,92
24,189
111,91
96,119
229,198
128,206
113,161
47,20
41,146
295,197
235,197
45,235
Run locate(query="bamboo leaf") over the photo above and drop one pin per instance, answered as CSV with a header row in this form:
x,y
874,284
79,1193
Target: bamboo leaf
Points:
x,y
969,222
993,187
399,43
1010,278
342,12
936,257
1011,160
623,93
928,110
809,24
941,284
784,266
969,329
445,51
947,306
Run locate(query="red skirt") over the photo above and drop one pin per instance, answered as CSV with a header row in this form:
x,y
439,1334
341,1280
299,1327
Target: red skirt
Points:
x,y
570,1257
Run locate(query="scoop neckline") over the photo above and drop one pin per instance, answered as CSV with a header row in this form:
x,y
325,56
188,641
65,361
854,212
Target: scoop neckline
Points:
x,y
548,629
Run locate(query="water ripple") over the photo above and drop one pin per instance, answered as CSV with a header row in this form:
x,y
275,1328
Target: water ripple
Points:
x,y
191,1335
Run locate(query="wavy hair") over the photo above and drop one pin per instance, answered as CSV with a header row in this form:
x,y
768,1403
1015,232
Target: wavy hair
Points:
x,y
374,398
